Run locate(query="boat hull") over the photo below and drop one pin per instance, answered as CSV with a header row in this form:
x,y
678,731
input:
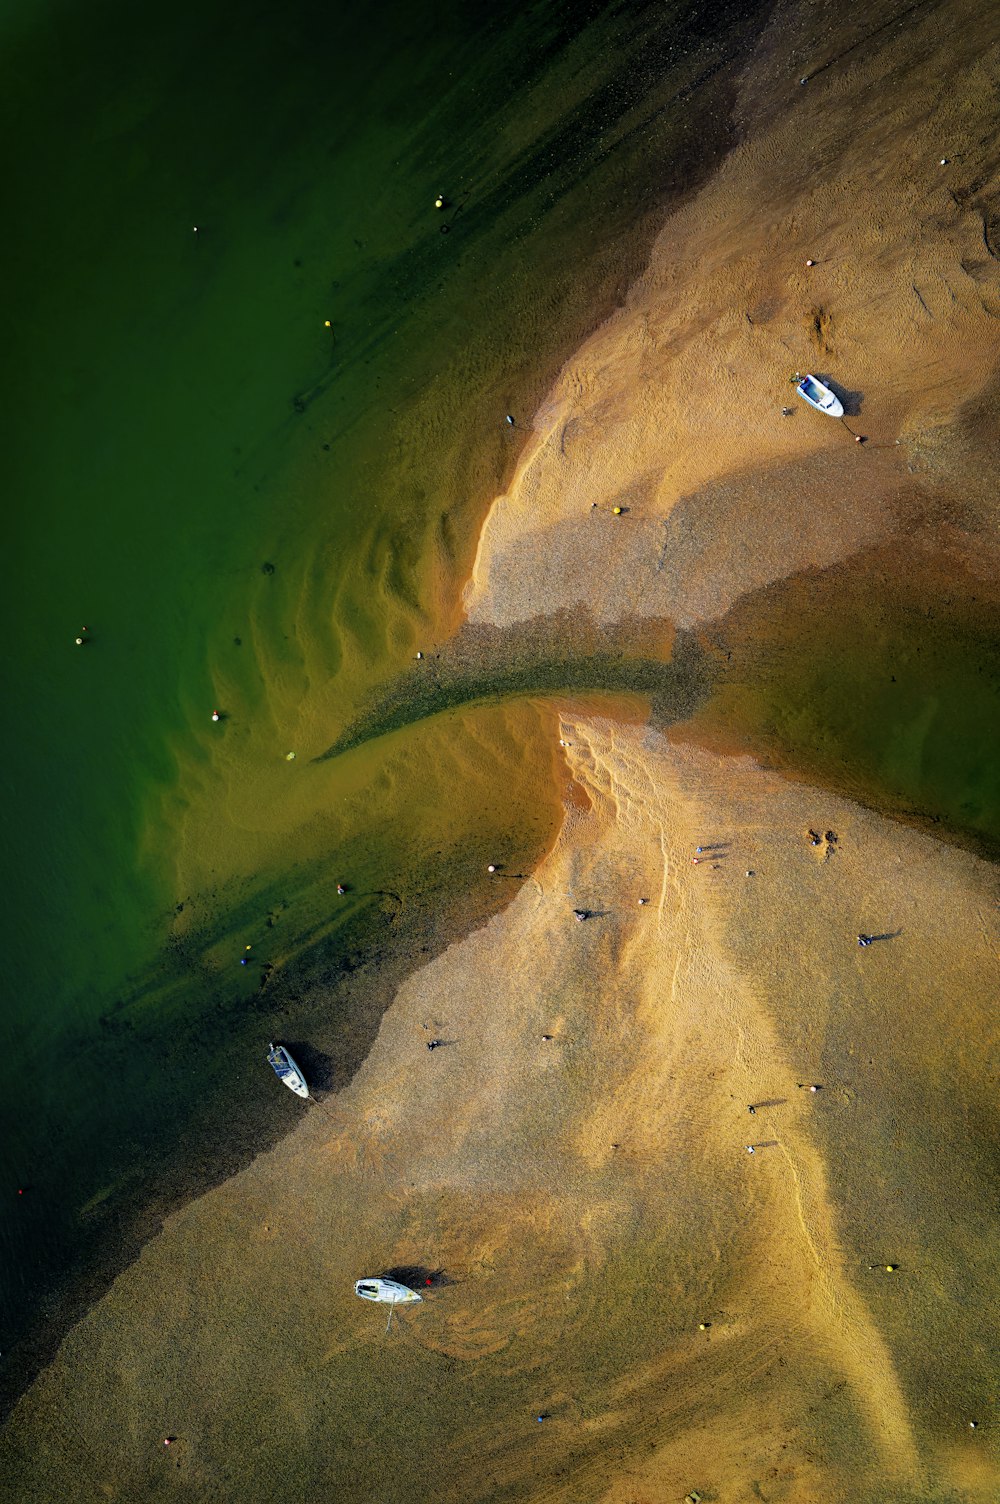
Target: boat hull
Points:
x,y
812,390
386,1292
286,1070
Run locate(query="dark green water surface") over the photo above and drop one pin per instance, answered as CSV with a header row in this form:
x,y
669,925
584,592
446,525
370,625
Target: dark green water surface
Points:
x,y
252,510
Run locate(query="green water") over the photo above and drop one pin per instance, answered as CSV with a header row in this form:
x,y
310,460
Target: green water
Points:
x,y
879,678
179,415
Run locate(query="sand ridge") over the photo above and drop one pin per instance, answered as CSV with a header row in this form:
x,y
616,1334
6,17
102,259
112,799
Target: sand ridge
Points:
x,y
584,1203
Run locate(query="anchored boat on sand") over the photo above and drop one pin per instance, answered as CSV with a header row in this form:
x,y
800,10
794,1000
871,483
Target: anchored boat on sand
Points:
x,y
286,1070
386,1291
819,396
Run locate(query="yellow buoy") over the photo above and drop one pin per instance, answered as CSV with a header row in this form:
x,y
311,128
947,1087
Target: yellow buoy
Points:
x,y
617,511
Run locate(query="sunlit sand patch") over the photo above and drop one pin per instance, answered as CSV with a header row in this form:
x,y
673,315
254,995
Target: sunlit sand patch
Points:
x,y
672,411
602,1250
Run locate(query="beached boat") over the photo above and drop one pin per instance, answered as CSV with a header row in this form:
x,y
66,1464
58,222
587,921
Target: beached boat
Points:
x,y
286,1070
819,396
386,1291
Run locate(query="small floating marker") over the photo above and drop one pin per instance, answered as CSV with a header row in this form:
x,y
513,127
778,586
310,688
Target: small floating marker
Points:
x,y
509,418
289,756
327,324
643,901
973,1425
703,1326
215,715
943,162
891,1268
491,867
440,202
419,657
810,263
79,641
616,511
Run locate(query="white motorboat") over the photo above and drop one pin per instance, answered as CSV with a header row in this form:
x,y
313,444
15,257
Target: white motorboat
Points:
x,y
286,1070
819,396
386,1291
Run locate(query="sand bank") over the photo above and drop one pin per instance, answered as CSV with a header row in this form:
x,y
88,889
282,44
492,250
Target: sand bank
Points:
x,y
832,239
584,1203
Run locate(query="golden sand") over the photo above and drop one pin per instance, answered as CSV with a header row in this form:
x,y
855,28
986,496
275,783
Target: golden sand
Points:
x,y
673,409
589,1201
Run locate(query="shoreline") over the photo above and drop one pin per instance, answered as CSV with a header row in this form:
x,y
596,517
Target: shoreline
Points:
x,y
548,1182
452,384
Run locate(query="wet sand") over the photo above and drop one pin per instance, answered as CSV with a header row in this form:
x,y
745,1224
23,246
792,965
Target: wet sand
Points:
x,y
603,1252
583,1204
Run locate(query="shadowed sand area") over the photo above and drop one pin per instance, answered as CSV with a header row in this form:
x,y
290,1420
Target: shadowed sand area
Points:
x,y
811,1322
584,1203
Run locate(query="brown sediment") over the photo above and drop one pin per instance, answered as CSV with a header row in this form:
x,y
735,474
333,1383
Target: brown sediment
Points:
x,y
582,1204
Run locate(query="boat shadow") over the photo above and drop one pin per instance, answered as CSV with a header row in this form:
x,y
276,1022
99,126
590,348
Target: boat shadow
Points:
x,y
418,1277
851,400
318,1068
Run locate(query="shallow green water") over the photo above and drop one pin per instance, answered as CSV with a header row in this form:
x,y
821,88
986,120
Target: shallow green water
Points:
x,y
180,416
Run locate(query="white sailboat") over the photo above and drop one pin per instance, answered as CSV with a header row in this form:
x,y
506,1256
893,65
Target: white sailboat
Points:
x,y
286,1070
387,1292
819,396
